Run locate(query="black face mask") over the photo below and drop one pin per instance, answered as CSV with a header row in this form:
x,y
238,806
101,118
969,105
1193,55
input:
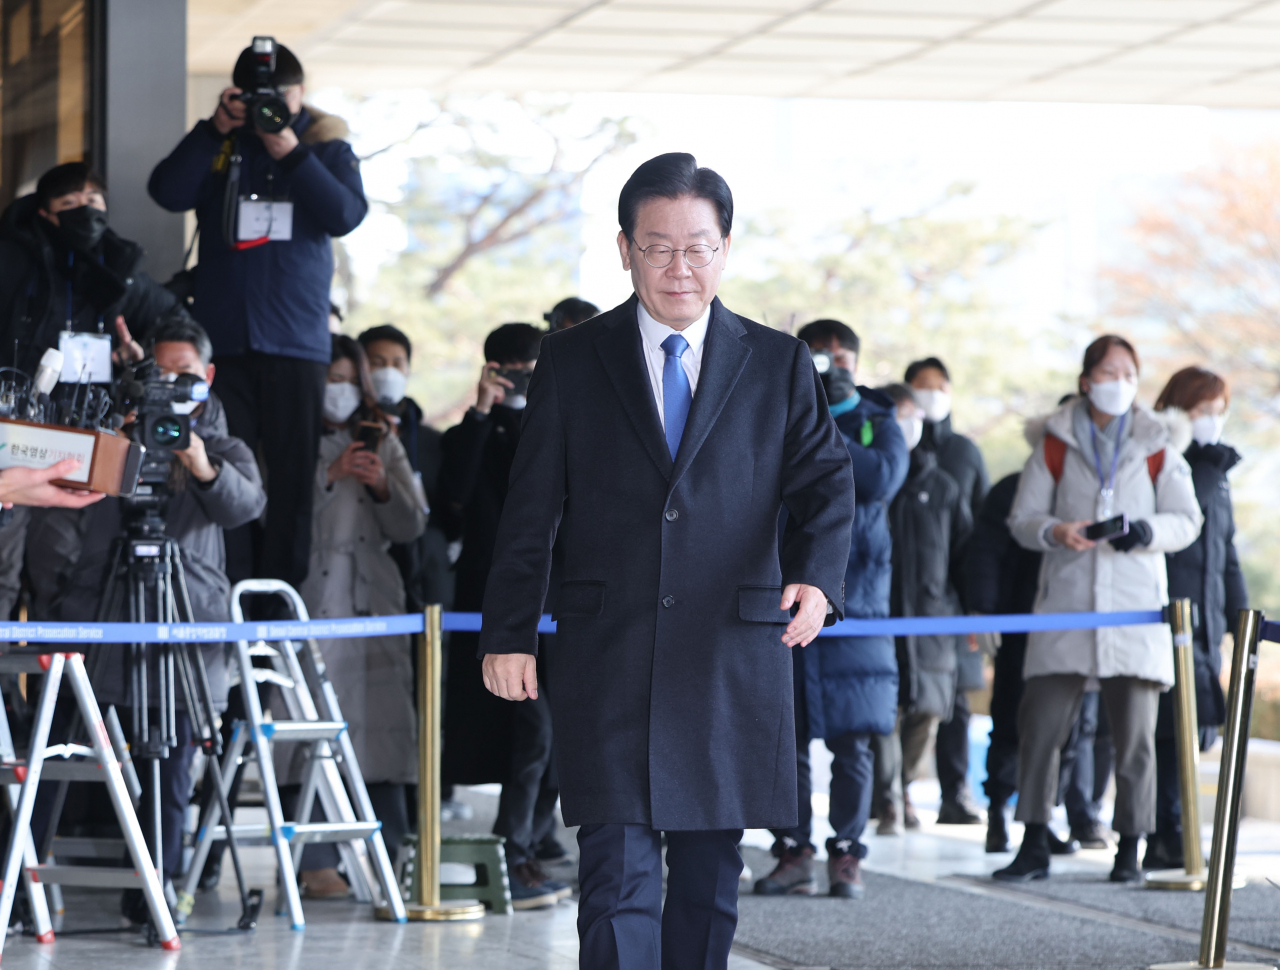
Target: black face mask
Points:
x,y
82,228
838,383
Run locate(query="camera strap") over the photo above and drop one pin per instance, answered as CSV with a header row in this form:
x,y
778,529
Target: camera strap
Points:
x,y
231,207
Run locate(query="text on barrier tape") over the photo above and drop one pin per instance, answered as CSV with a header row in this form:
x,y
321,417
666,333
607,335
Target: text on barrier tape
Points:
x,y
356,626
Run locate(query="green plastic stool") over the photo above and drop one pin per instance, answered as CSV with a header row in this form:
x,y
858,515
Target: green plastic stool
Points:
x,y
486,853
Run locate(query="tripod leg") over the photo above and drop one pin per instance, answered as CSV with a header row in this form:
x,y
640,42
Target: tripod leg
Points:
x,y
214,811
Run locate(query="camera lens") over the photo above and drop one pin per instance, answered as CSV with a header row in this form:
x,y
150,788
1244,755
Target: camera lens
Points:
x,y
166,432
270,114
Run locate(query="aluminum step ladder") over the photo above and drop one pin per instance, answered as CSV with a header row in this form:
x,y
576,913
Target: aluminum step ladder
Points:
x,y
74,762
331,771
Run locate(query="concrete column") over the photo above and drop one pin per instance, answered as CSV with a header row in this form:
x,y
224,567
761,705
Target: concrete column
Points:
x,y
145,78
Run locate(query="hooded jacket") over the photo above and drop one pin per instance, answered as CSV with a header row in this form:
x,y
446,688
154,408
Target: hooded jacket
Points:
x,y
850,684
197,516
35,270
1208,573
1102,579
931,525
272,298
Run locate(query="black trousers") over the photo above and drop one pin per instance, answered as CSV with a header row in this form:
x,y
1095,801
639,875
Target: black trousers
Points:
x,y
622,923
952,749
274,404
526,810
175,795
852,779
1006,695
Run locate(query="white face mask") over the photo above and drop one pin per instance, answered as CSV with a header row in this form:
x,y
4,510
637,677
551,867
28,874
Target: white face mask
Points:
x,y
389,384
1207,429
1113,397
517,402
912,430
340,401
936,404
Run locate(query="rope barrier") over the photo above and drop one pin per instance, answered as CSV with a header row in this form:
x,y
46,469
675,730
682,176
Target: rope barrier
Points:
x,y
915,625
386,626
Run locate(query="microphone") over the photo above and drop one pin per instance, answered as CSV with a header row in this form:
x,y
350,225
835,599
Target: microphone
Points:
x,y
49,371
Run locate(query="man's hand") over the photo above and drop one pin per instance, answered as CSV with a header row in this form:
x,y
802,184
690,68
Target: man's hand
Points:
x,y
1071,535
229,114
512,676
809,619
492,388
280,144
129,351
31,486
196,460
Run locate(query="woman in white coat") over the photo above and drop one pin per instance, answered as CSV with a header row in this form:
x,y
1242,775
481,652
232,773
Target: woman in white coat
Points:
x,y
365,499
1100,456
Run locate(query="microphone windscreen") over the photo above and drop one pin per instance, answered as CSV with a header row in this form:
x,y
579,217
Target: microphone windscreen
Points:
x,y
49,371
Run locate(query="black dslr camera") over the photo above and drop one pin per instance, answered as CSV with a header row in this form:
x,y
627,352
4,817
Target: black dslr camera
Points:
x,y
264,102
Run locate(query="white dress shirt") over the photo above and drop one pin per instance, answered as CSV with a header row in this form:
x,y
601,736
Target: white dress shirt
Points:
x,y
652,333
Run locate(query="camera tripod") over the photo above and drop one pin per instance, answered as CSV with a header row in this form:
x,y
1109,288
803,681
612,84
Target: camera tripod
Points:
x,y
147,575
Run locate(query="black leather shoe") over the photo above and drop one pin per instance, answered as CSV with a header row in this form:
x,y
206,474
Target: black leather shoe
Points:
x,y
1126,867
1032,860
1164,851
955,813
997,830
1059,846
210,875
1091,837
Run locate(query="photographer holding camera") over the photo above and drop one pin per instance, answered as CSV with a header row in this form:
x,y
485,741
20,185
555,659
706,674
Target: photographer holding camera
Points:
x,y
212,485
272,182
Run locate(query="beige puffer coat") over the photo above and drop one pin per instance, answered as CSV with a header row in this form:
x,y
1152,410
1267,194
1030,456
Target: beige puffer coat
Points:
x,y
352,574
1102,579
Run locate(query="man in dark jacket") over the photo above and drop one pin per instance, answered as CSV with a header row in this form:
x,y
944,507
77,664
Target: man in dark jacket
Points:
x,y
268,207
1002,577
487,739
960,458
930,523
846,688
62,268
661,442
216,486
423,563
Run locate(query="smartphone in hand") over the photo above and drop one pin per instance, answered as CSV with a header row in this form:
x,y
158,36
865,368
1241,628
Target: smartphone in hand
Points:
x,y
1108,528
369,433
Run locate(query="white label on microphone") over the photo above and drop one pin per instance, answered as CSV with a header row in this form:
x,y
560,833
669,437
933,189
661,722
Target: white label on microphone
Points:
x,y
265,220
31,446
85,357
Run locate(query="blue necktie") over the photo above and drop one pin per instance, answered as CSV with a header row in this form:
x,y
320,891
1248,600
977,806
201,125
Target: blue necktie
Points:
x,y
676,393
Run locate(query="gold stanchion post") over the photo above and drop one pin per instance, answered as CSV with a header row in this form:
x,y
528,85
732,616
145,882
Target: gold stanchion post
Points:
x,y
426,904
1226,819
1187,727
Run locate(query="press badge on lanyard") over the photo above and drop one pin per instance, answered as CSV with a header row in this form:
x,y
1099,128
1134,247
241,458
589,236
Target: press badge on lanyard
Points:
x,y
86,357
263,220
1106,486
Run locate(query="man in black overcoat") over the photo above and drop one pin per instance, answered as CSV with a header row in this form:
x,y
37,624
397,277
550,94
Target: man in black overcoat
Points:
x,y
660,442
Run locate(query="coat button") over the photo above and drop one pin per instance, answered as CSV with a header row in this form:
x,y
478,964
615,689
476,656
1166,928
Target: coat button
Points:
x,y
668,601
671,515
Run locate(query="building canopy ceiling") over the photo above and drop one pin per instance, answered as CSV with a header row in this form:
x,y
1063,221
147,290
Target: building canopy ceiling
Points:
x,y
1209,52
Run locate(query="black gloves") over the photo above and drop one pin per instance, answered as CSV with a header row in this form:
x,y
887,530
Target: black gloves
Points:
x,y
1139,534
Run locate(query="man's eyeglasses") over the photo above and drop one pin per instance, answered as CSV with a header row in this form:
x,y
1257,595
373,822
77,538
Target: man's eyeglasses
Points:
x,y
695,257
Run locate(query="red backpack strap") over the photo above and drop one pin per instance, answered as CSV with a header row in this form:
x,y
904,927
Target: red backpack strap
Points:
x,y
1155,465
1055,453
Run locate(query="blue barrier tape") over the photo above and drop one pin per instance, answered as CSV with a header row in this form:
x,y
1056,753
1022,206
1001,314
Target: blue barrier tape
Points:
x,y
384,626
359,626
915,625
